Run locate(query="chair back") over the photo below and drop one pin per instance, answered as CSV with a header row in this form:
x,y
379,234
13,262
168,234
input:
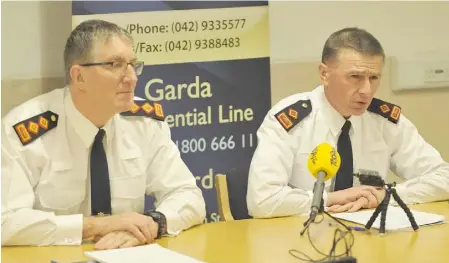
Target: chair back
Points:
x,y
231,195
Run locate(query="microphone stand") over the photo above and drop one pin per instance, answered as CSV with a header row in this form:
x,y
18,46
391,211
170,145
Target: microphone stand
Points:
x,y
383,207
312,217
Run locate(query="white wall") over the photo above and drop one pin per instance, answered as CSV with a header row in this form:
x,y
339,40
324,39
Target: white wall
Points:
x,y
299,29
33,38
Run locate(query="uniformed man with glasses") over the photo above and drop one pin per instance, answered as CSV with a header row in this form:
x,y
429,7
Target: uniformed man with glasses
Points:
x,y
77,162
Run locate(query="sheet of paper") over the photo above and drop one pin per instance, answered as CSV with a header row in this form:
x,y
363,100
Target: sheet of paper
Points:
x,y
152,253
396,218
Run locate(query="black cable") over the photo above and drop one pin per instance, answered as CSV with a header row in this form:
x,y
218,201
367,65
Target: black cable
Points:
x,y
338,236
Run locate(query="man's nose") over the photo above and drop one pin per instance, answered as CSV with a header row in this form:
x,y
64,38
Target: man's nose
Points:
x,y
366,87
130,74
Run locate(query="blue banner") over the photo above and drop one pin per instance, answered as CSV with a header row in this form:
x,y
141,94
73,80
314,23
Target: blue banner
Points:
x,y
208,64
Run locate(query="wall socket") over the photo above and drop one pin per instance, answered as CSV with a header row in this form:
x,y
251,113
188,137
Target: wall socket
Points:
x,y
409,74
436,73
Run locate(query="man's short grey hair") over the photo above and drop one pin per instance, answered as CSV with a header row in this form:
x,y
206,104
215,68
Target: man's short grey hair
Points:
x,y
352,38
80,43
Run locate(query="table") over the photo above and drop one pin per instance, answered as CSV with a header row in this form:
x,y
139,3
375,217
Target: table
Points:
x,y
269,240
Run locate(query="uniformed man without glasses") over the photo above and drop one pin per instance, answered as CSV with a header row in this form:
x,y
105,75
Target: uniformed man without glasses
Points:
x,y
370,134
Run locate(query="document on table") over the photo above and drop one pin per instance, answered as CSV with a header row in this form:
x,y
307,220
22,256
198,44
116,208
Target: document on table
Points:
x,y
396,218
152,253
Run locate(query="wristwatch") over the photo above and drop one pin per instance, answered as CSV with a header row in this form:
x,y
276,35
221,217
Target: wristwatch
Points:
x,y
161,221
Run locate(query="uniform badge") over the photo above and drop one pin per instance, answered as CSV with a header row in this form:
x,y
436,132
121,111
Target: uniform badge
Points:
x,y
294,114
146,108
36,126
385,109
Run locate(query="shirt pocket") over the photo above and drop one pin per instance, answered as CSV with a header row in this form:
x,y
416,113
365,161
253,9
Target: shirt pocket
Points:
x,y
60,189
128,189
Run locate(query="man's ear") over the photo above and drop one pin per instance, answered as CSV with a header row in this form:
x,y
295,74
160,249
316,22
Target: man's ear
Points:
x,y
324,74
76,75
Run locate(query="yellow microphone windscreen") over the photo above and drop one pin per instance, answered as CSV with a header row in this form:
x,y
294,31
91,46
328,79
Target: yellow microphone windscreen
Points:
x,y
324,158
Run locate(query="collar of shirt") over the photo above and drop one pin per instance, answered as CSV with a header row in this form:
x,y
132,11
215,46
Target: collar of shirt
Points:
x,y
85,129
331,116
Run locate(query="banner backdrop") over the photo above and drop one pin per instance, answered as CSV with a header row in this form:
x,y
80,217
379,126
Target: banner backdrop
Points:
x,y
208,64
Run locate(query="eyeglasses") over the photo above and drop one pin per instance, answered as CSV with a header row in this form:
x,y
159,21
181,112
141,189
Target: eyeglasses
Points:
x,y
119,66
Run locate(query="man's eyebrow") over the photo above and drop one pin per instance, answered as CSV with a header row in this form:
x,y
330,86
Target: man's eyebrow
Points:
x,y
120,58
356,72
363,72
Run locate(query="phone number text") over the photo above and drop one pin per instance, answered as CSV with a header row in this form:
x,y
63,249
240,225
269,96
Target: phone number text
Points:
x,y
219,143
188,45
208,25
187,26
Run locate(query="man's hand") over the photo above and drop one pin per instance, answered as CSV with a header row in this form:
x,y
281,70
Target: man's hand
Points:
x,y
350,207
140,226
355,198
118,239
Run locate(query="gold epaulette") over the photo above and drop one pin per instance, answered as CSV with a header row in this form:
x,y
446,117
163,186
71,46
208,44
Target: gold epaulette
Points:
x,y
385,109
145,108
294,114
32,128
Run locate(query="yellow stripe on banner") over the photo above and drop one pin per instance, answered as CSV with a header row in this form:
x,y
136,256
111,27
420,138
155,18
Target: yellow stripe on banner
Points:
x,y
180,36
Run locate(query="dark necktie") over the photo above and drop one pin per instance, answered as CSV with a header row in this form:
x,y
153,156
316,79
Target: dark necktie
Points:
x,y
99,177
345,173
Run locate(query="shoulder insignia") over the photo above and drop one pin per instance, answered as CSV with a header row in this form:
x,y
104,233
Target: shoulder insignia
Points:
x,y
385,109
294,114
36,126
145,108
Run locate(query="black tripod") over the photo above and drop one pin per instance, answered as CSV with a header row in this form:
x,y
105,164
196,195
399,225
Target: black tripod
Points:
x,y
382,208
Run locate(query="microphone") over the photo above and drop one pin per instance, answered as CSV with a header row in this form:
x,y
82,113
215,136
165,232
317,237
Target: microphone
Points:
x,y
323,164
